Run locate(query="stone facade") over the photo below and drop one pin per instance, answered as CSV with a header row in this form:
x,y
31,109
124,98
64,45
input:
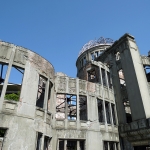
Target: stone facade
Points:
x,y
51,111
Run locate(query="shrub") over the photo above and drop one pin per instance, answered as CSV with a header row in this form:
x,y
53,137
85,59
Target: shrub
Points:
x,y
12,96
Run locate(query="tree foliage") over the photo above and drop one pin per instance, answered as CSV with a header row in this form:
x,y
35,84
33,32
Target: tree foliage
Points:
x,y
12,96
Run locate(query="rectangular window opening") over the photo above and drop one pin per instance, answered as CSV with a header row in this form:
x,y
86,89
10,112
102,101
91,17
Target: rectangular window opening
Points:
x,y
113,114
82,145
46,142
71,144
41,92
39,140
61,144
92,76
3,71
103,77
92,56
83,107
84,60
121,78
100,111
109,80
2,136
60,106
107,107
14,84
72,107
112,145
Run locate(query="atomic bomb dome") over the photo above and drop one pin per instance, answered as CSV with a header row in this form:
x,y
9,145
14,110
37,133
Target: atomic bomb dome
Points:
x,y
94,43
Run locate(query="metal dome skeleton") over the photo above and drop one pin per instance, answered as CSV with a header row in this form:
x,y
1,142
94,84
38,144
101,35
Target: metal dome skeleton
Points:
x,y
93,43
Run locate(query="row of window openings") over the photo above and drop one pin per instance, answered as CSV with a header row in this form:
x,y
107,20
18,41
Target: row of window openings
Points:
x,y
39,142
111,145
71,144
93,56
15,83
93,76
66,107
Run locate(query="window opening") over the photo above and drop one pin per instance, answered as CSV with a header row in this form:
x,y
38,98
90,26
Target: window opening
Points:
x,y
100,111
84,60
92,56
118,56
71,145
61,144
107,112
39,140
92,75
3,71
60,106
113,113
100,52
14,84
41,92
103,77
72,107
68,102
46,142
2,136
83,107
125,96
111,146
96,53
121,78
105,145
109,80
82,143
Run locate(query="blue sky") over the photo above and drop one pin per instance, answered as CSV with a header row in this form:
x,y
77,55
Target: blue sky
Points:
x,y
57,29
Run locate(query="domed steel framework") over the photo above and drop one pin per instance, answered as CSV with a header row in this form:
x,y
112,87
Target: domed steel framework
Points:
x,y
93,43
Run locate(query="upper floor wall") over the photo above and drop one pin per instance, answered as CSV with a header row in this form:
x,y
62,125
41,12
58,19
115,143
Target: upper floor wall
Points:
x,y
36,80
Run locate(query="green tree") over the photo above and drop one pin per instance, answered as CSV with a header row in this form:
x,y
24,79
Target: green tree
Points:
x,y
12,96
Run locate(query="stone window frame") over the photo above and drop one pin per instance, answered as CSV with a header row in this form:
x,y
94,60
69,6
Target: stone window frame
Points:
x,y
47,92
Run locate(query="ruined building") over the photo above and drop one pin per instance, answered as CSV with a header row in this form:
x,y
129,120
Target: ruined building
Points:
x,y
107,107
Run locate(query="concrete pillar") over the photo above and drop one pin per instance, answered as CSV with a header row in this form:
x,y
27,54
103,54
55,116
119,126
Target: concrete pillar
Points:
x,y
42,143
77,105
7,77
65,144
117,92
136,82
58,145
78,145
46,99
108,146
111,115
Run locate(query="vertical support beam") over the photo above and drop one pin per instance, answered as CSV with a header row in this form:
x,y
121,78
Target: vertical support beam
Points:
x,y
46,99
115,148
65,144
117,92
7,76
78,145
108,146
57,144
77,105
42,142
136,82
111,115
